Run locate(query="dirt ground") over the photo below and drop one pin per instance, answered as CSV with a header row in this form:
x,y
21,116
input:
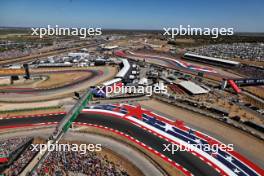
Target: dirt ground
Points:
x,y
10,106
24,113
59,79
259,91
244,143
122,162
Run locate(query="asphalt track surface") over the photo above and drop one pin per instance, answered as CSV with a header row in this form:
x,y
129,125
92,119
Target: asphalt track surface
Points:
x,y
156,59
185,159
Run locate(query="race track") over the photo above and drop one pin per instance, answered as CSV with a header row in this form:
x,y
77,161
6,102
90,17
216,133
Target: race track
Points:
x,y
153,131
185,159
93,73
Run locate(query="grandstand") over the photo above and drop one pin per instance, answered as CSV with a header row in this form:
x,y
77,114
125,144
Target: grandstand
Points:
x,y
249,81
58,162
121,77
54,65
18,154
192,88
74,163
211,60
125,71
176,89
78,54
112,81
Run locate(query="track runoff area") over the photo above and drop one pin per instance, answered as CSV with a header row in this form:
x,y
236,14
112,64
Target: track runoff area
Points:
x,y
187,149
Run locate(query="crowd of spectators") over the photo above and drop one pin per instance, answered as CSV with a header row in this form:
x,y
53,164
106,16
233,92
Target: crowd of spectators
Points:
x,y
20,163
74,163
252,72
9,145
249,51
16,53
61,163
29,49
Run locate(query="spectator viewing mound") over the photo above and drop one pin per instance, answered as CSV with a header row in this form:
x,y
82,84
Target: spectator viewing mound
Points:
x,y
10,145
19,153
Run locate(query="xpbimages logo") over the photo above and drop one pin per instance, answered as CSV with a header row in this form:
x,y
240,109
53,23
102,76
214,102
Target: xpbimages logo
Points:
x,y
60,31
189,31
121,89
82,148
214,148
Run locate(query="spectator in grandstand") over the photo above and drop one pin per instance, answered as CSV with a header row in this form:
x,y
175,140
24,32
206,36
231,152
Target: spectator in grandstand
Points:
x,y
250,51
10,145
18,165
71,162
